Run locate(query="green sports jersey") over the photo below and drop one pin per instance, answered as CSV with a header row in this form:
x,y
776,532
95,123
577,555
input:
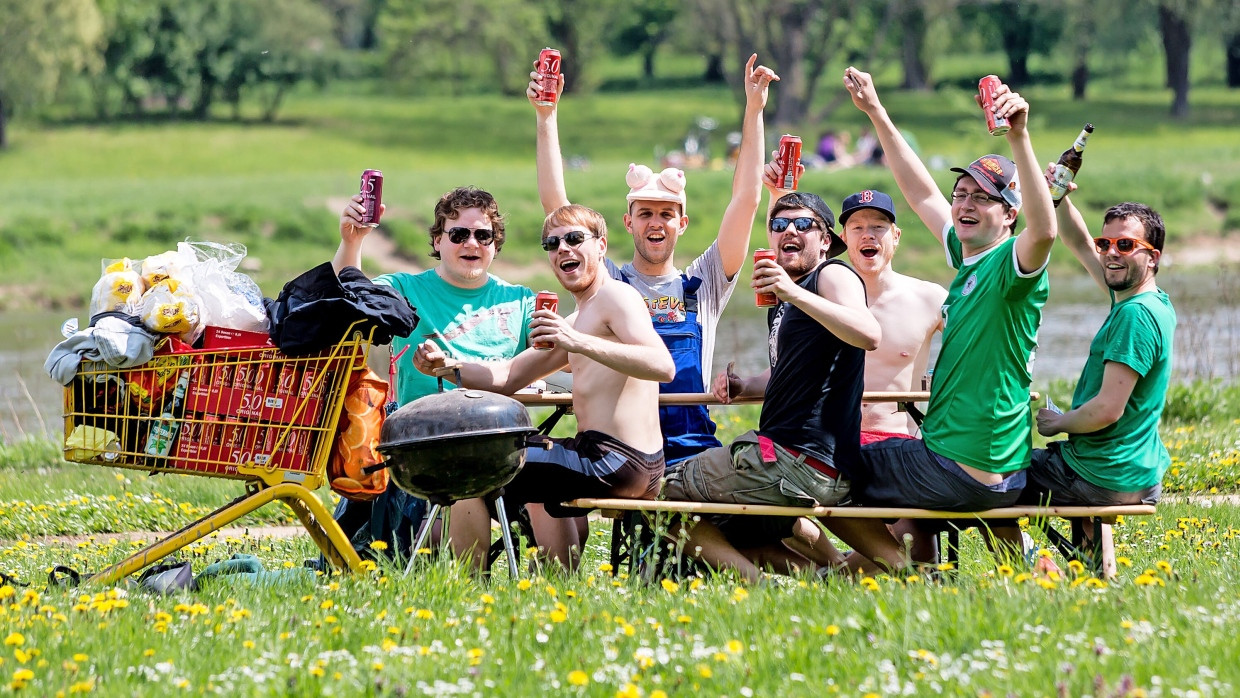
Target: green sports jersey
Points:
x,y
979,401
1128,455
473,324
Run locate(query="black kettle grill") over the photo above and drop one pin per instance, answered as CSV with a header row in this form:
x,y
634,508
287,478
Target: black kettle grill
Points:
x,y
458,444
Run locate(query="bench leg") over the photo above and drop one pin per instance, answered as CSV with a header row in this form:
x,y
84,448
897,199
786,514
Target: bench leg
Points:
x,y
951,548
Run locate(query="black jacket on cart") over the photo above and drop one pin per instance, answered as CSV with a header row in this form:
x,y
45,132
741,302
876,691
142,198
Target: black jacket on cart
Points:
x,y
315,310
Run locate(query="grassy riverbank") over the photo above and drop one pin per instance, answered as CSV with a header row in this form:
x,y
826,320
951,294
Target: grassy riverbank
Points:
x,y
135,189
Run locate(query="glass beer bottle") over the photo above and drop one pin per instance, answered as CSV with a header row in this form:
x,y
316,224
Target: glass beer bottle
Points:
x,y
1069,164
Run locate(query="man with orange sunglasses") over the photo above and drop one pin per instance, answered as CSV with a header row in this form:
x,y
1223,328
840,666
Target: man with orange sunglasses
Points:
x,y
1113,454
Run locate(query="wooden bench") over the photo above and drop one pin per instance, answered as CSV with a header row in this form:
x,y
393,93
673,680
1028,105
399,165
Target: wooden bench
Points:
x,y
1098,555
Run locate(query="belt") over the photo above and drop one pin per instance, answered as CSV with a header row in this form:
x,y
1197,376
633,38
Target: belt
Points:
x,y
767,447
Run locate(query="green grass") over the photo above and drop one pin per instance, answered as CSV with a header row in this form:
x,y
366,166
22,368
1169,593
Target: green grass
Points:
x,y
1160,628
84,192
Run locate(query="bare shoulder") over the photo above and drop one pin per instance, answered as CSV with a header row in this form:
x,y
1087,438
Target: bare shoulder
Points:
x,y
927,291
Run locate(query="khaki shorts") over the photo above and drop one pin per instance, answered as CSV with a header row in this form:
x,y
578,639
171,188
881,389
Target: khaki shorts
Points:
x,y
737,474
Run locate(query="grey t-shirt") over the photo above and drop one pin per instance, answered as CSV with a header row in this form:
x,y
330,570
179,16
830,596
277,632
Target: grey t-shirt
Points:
x,y
665,297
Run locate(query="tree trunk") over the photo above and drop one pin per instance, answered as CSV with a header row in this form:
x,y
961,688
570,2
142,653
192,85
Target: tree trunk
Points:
x,y
648,62
912,48
1176,45
1080,77
714,69
1233,60
1017,35
788,53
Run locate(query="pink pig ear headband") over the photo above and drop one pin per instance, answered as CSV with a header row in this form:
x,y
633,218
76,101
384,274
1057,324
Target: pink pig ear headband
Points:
x,y
645,185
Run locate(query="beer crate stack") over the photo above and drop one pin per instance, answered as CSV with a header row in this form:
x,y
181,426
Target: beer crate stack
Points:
x,y
238,408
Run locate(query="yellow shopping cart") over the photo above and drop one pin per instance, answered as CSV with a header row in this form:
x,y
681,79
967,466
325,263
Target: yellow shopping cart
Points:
x,y
245,413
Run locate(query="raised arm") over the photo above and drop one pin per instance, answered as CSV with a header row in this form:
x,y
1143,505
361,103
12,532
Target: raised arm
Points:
x,y
636,351
737,223
1033,244
551,191
911,175
352,234
1075,235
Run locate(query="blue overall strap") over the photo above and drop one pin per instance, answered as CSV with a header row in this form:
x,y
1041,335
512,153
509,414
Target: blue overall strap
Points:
x,y
687,429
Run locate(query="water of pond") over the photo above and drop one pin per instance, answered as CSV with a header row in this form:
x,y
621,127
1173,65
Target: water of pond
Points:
x,y
1207,345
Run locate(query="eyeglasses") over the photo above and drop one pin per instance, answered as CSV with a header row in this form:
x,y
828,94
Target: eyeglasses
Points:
x,y
1122,245
802,224
572,237
458,236
980,198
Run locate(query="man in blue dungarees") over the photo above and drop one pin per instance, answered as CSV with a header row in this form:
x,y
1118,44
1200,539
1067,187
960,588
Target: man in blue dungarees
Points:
x,y
684,306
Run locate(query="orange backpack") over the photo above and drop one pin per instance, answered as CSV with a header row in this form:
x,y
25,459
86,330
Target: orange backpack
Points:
x,y
357,436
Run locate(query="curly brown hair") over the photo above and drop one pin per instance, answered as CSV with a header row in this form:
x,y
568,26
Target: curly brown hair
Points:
x,y
451,204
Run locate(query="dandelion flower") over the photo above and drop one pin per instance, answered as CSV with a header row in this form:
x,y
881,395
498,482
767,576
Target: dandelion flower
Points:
x,y
14,640
669,586
833,630
578,677
378,545
735,647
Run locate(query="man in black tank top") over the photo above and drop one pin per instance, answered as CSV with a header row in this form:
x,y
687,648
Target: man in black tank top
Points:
x,y
808,436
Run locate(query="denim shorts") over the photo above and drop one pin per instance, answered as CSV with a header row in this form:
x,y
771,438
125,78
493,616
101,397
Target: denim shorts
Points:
x,y
906,473
1052,481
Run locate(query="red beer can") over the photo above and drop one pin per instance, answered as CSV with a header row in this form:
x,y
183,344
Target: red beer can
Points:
x,y
789,158
986,87
287,381
549,77
546,300
765,299
372,196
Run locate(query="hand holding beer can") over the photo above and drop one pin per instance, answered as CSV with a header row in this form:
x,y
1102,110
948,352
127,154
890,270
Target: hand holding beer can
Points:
x,y
546,300
548,68
789,158
997,125
765,299
372,196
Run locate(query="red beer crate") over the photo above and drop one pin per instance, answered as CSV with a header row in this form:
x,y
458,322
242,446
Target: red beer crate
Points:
x,y
248,412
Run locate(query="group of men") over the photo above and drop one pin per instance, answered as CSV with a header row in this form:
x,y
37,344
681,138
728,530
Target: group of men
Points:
x,y
837,330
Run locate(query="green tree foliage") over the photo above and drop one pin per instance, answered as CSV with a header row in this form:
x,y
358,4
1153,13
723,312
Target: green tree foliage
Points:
x,y
444,45
173,54
1019,29
41,43
641,27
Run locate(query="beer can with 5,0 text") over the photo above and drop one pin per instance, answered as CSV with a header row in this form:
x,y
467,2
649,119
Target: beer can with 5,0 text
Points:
x,y
789,158
997,125
546,300
765,299
548,69
372,196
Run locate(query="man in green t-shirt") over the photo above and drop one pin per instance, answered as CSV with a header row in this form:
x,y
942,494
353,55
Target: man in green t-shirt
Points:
x,y
1113,454
469,313
976,436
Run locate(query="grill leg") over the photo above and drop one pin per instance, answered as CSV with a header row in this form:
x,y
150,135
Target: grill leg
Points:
x,y
423,533
506,535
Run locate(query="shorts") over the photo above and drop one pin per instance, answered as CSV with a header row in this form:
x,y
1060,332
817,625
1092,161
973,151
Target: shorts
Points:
x,y
906,473
740,474
873,437
590,464
1052,481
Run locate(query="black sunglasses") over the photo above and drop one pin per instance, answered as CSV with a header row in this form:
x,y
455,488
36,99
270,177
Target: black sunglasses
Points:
x,y
572,237
458,236
804,223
